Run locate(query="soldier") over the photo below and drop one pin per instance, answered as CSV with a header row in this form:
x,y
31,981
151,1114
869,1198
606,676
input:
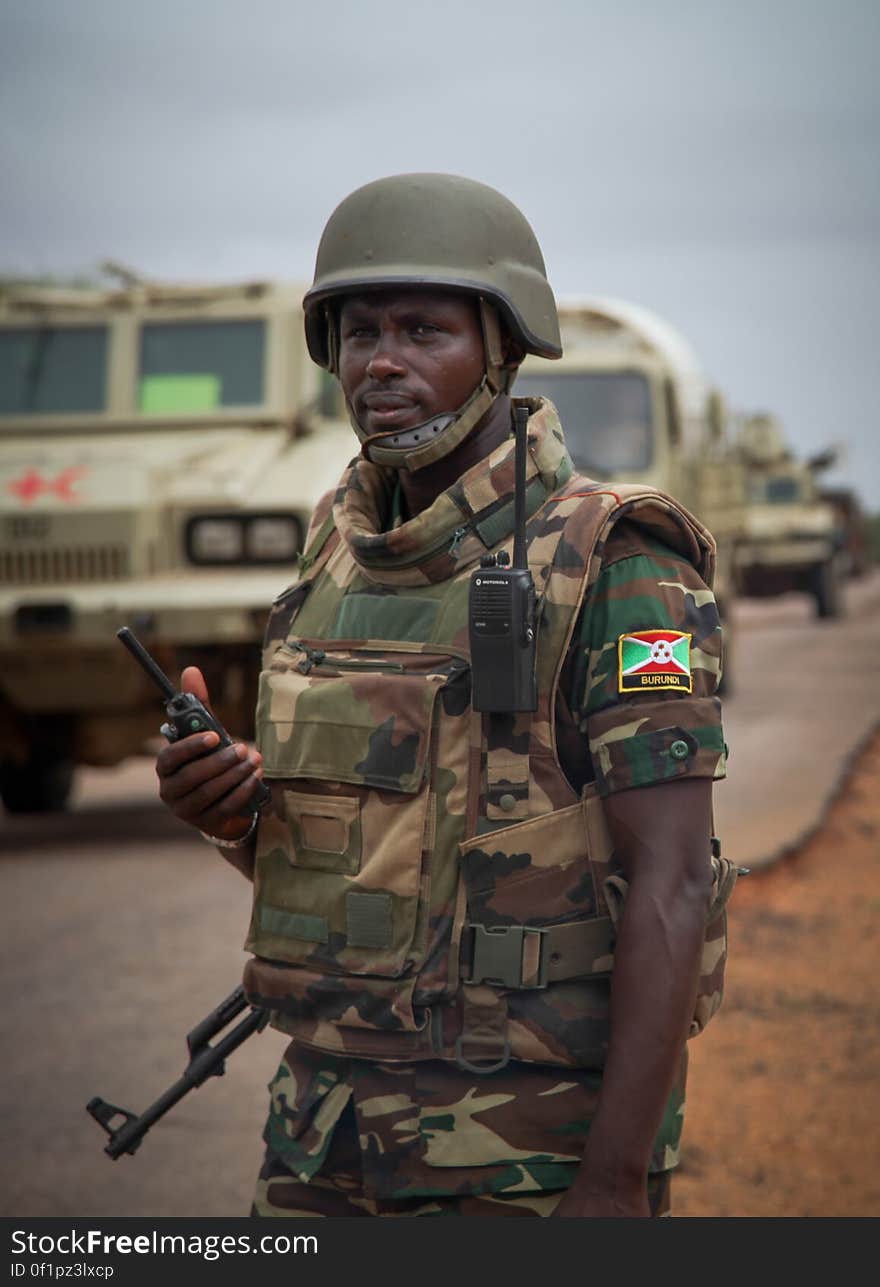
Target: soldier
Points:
x,y
440,895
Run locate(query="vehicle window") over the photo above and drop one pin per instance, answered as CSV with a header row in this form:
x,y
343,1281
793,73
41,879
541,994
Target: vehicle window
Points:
x,y
52,370
198,366
606,416
781,490
776,491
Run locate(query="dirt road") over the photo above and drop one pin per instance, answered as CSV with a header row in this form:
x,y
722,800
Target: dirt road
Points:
x,y
106,909
783,1113
803,697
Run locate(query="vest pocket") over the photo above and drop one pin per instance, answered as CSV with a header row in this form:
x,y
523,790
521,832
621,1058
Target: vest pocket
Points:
x,y
346,737
538,938
335,1013
534,873
349,716
325,831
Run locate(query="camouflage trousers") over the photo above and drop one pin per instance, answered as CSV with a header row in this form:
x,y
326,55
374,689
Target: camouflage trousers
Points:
x,y
338,1190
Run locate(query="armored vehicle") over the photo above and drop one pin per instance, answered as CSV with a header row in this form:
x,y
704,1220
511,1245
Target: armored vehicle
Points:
x,y
853,525
637,407
792,539
161,449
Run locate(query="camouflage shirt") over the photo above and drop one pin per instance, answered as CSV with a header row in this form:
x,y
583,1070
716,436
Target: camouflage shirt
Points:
x,y
430,1128
644,586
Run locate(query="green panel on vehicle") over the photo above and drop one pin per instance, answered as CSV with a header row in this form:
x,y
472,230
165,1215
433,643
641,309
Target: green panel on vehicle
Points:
x,y
164,394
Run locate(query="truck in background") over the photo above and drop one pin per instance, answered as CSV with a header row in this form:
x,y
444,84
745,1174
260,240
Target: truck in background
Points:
x,y
637,407
793,538
854,528
161,450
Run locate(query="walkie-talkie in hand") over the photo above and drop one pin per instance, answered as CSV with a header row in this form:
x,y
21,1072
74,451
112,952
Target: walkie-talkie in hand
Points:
x,y
186,714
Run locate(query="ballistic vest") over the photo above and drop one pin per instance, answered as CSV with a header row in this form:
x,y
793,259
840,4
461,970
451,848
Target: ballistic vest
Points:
x,y
427,882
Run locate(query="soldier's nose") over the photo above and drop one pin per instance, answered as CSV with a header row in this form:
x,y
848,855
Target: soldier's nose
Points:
x,y
384,365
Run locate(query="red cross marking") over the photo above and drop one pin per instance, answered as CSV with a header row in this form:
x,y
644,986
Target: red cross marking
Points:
x,y
32,484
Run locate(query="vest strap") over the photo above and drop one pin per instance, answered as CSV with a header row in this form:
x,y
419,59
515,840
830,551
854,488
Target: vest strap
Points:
x,y
526,956
316,545
483,1033
507,780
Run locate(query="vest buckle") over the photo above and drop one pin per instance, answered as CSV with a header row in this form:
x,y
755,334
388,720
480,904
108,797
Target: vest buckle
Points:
x,y
507,956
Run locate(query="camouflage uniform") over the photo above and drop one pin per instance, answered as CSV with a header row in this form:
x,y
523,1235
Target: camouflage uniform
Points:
x,y
358,956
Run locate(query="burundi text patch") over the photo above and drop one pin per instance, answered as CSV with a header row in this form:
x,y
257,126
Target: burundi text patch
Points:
x,y
652,659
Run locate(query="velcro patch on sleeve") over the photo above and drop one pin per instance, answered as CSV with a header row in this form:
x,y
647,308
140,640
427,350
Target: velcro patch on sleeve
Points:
x,y
652,659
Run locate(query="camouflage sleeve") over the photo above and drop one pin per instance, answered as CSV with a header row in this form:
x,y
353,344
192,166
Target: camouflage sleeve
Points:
x,y
646,703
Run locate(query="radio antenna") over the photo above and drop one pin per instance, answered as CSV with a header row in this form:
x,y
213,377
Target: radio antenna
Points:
x,y
521,420
143,658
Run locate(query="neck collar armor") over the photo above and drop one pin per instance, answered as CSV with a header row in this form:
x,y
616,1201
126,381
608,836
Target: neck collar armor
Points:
x,y
462,523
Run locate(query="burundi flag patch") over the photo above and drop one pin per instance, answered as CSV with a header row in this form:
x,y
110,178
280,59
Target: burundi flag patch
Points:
x,y
652,659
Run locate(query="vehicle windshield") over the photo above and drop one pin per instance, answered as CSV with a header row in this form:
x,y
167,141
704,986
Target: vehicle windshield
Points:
x,y
776,491
188,367
52,370
606,417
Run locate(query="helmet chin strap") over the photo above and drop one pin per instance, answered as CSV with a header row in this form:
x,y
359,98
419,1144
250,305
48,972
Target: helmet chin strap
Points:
x,y
424,444
414,449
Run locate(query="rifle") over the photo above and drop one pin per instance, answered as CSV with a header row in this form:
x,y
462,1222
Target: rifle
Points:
x,y
205,1061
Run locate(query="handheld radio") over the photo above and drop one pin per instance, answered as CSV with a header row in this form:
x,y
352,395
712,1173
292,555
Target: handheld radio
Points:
x,y
186,714
501,611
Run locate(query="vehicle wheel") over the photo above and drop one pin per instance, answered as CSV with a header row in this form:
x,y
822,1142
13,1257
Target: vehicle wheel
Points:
x,y
40,786
828,590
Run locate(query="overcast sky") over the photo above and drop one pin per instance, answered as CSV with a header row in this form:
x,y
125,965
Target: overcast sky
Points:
x,y
717,162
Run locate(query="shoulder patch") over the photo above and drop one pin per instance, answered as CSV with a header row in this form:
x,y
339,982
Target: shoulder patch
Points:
x,y
652,659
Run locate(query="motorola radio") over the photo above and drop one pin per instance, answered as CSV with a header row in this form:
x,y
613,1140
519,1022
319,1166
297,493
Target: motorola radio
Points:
x,y
186,714
501,611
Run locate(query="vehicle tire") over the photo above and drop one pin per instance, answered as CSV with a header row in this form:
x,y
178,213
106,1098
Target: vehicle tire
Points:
x,y
827,589
42,785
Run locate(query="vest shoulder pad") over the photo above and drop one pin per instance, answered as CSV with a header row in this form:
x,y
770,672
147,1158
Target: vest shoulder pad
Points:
x,y
654,513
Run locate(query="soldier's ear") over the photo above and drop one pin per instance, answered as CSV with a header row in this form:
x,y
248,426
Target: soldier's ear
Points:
x,y
513,356
513,351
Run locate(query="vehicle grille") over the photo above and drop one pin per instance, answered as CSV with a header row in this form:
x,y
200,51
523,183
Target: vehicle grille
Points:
x,y
75,564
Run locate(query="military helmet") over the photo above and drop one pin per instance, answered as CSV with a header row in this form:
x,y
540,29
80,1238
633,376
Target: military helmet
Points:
x,y
434,230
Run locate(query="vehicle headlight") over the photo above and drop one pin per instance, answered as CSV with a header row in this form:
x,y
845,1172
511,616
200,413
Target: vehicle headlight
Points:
x,y
272,539
243,539
216,540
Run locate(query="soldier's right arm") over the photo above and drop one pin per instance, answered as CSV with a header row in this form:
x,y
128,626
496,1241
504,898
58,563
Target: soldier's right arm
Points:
x,y
209,790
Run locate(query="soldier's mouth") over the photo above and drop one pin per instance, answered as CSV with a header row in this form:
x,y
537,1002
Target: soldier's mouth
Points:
x,y
389,408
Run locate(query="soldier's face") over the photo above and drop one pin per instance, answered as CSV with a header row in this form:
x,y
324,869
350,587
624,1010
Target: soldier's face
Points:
x,y
406,356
